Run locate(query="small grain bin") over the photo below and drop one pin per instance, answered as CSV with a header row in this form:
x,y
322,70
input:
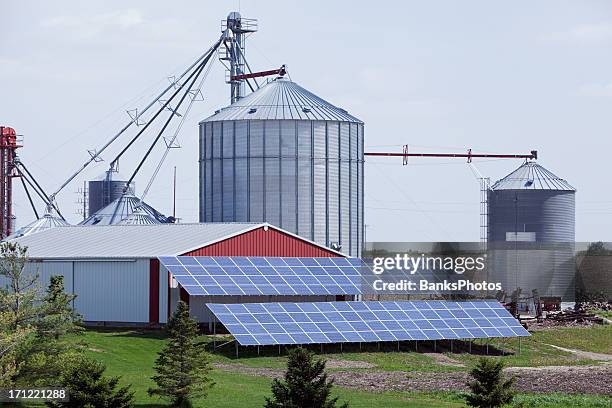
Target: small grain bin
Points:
x,y
531,232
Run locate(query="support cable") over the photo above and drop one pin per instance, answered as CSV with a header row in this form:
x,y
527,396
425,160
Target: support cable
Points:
x,y
27,179
95,156
25,188
165,105
187,92
41,191
174,137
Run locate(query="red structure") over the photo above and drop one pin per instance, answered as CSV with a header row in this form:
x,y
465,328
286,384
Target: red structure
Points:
x,y
265,240
8,147
405,154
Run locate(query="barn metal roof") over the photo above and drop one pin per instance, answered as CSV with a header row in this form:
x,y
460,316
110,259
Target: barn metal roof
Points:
x,y
127,241
282,99
531,176
134,241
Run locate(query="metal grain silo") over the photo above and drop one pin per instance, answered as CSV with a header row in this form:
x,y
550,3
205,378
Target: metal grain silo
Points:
x,y
531,231
105,189
285,156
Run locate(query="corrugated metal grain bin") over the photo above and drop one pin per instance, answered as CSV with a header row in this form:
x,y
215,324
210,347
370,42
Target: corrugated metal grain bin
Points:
x,y
532,231
104,190
285,156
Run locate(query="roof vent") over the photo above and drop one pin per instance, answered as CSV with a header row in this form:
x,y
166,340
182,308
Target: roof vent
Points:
x,y
252,110
305,109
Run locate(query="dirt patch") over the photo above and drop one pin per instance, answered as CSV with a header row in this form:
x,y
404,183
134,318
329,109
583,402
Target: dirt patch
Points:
x,y
589,355
95,350
348,364
577,380
445,360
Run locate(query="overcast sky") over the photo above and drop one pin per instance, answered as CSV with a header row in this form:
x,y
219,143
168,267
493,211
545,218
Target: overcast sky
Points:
x,y
436,75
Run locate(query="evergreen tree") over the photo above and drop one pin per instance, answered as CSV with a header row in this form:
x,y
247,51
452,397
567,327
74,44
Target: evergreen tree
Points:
x,y
59,318
183,366
87,386
31,323
18,311
305,384
489,388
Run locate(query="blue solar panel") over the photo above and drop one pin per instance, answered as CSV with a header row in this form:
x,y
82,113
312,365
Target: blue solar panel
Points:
x,y
337,322
205,275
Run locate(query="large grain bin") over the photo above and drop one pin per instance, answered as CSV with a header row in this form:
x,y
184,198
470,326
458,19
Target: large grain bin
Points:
x,y
285,156
531,231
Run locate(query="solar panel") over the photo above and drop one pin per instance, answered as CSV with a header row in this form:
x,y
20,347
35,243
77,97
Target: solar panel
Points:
x,y
338,322
206,275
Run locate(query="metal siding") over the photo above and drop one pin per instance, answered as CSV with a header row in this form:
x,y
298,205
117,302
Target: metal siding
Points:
x,y
304,175
208,194
242,188
289,203
228,190
353,190
113,291
217,179
51,268
345,225
154,286
256,189
164,289
360,192
320,183
333,182
202,173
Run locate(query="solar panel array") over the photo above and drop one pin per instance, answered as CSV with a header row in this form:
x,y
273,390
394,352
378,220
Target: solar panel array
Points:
x,y
206,275
337,322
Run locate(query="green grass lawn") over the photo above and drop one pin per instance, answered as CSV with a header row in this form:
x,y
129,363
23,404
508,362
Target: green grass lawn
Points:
x,y
597,339
535,351
603,313
131,355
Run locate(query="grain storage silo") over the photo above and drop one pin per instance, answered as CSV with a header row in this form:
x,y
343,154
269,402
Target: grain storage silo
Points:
x,y
531,231
285,156
105,189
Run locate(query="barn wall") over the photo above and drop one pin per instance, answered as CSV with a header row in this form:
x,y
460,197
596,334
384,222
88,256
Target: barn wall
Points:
x,y
112,291
260,242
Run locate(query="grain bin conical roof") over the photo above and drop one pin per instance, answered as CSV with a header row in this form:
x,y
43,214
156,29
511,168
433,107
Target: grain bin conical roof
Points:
x,y
282,99
47,221
122,208
531,176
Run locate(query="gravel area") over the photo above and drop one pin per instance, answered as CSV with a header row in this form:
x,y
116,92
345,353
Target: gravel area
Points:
x,y
577,380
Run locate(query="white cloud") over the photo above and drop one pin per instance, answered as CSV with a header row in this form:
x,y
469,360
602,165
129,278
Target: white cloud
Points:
x,y
595,33
94,24
600,89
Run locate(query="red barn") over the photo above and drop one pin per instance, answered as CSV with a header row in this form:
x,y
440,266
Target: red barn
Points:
x,y
118,280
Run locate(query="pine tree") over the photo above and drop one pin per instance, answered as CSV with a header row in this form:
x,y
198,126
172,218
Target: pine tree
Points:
x,y
305,384
88,387
59,318
489,388
183,366
32,323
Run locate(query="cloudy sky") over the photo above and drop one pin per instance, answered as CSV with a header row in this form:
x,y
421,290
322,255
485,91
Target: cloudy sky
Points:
x,y
437,75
